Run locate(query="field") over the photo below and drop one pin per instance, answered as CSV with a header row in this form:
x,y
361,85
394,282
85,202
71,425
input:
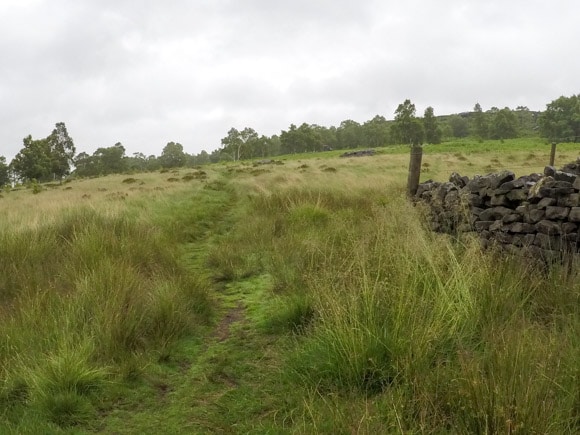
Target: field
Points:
x,y
301,296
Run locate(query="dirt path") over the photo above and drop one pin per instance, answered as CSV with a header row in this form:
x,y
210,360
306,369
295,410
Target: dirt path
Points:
x,y
233,315
224,379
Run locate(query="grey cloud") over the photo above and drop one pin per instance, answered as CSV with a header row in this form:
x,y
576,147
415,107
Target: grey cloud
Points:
x,y
188,70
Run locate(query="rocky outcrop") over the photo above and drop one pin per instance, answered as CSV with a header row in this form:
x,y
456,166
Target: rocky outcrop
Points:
x,y
360,153
538,213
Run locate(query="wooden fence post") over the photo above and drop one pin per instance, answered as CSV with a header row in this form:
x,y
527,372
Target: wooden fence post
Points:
x,y
553,154
414,169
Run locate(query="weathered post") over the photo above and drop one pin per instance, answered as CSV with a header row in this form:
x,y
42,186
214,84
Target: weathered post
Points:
x,y
553,154
414,170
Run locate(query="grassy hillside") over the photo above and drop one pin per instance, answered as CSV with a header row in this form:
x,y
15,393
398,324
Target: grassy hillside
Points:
x,y
301,297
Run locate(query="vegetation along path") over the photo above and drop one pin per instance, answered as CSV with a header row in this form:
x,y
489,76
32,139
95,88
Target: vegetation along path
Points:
x,y
228,380
301,296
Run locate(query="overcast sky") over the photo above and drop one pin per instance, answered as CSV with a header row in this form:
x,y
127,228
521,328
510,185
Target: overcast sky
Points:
x,y
148,72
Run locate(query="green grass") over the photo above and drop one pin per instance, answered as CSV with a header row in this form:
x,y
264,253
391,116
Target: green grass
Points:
x,y
292,301
397,311
87,290
408,321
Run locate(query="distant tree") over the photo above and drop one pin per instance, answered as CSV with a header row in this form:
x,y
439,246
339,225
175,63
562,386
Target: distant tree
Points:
x,y
136,163
110,160
224,156
86,165
172,156
240,143
504,124
349,135
61,150
433,132
274,145
249,139
480,127
526,121
4,172
190,160
459,126
214,157
560,121
375,132
45,159
406,128
153,163
260,147
290,142
324,137
232,143
447,131
33,161
306,138
202,158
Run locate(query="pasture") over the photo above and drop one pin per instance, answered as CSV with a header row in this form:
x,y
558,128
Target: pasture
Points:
x,y
300,296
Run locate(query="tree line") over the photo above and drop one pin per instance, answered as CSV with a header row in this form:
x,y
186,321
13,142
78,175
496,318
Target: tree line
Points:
x,y
560,122
54,157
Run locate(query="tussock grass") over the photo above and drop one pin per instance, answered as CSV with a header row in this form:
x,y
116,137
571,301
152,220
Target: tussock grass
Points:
x,y
81,293
346,314
431,333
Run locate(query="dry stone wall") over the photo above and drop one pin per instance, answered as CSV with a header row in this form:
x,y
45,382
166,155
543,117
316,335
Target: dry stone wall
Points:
x,y
537,213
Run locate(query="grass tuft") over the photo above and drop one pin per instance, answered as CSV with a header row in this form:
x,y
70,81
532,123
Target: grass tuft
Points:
x,y
67,408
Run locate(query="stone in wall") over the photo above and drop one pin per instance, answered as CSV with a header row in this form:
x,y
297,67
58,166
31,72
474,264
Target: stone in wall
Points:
x,y
538,212
572,168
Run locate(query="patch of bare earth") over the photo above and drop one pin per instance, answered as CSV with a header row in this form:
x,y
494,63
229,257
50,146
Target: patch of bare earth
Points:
x,y
223,329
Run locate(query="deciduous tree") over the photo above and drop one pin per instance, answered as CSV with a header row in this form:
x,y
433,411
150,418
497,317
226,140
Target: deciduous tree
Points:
x,y
4,172
459,126
111,160
349,135
136,163
45,159
105,160
306,138
561,120
86,165
376,132
526,121
33,161
240,143
172,155
202,158
407,129
153,163
504,124
433,132
479,125
62,150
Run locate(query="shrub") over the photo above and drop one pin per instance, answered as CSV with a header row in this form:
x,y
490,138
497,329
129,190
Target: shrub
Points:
x,y
196,175
36,187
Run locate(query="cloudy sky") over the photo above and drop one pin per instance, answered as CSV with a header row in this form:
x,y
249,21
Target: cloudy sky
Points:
x,y
145,72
